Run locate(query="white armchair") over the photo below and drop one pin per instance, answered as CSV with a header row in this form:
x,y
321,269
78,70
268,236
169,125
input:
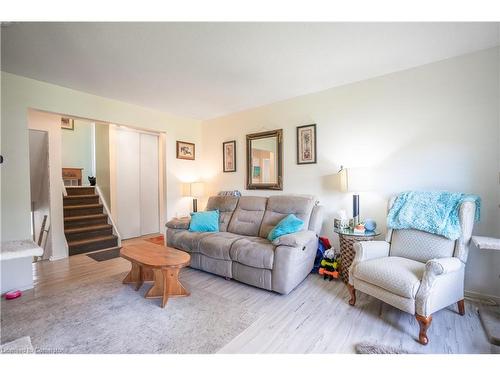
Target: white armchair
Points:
x,y
417,272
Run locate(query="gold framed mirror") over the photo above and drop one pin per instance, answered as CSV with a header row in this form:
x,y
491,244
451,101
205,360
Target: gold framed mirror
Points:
x,y
265,160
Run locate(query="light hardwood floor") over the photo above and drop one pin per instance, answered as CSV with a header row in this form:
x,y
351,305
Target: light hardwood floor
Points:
x,y
314,318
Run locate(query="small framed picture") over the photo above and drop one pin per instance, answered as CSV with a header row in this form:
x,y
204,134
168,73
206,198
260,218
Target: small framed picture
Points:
x,y
67,123
306,144
229,156
185,150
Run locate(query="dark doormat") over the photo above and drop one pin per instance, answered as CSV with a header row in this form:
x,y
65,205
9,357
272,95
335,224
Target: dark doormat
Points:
x,y
105,254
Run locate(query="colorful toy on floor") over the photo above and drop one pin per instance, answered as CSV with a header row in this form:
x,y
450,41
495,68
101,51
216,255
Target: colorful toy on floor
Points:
x,y
323,245
329,266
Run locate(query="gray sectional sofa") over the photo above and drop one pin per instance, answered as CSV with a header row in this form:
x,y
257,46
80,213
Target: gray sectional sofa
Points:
x,y
241,251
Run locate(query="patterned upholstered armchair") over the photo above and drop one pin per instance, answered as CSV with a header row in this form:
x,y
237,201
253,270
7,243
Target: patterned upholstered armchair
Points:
x,y
417,272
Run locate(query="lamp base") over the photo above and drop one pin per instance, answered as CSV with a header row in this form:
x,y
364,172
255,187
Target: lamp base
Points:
x,y
195,205
355,209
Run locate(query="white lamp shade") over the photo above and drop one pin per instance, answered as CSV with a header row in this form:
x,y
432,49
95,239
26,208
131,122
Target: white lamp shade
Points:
x,y
355,179
197,189
342,180
186,189
193,189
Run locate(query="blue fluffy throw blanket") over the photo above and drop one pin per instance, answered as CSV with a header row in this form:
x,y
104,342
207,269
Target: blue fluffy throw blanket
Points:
x,y
434,212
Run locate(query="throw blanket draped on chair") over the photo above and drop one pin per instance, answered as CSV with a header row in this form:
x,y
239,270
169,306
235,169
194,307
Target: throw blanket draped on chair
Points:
x,y
433,212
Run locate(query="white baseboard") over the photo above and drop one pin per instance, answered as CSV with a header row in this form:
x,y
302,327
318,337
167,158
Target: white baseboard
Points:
x,y
54,258
480,296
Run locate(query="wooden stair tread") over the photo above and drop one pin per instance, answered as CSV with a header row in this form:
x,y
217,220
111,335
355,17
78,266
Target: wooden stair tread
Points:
x,y
91,240
85,217
88,228
81,206
80,196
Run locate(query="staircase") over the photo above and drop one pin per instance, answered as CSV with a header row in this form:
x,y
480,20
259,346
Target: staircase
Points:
x,y
86,225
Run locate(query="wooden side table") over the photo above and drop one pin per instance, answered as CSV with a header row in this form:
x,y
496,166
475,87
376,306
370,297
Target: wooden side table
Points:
x,y
347,239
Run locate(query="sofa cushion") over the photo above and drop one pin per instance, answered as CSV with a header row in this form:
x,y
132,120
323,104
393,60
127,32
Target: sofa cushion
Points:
x,y
280,206
226,206
253,251
290,224
397,275
218,245
185,240
204,221
420,246
248,215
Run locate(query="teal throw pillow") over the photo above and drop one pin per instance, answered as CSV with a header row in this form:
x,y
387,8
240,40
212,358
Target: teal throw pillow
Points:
x,y
289,224
204,221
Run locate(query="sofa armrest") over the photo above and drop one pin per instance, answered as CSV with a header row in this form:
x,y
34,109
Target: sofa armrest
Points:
x,y
316,220
293,263
297,239
182,223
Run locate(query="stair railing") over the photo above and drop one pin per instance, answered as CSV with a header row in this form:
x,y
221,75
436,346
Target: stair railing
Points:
x,y
65,193
108,212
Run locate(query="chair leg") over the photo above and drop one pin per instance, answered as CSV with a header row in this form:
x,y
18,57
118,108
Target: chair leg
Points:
x,y
352,292
424,322
461,307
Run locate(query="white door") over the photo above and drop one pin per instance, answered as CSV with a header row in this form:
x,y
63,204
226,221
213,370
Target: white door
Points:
x,y
137,179
149,184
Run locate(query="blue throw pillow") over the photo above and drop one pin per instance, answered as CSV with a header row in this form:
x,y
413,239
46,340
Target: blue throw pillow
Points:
x,y
289,224
204,221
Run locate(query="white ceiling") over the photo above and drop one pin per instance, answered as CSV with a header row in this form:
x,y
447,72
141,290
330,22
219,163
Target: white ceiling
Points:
x,y
205,70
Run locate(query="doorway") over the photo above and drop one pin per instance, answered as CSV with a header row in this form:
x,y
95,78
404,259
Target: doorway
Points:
x,y
40,190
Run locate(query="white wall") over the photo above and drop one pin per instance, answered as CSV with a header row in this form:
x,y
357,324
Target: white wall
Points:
x,y
76,150
102,163
20,93
431,127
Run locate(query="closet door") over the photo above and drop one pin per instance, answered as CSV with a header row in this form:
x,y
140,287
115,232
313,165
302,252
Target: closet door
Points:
x,y
149,196
128,192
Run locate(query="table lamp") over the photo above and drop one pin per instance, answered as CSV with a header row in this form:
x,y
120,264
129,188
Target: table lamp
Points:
x,y
194,190
354,180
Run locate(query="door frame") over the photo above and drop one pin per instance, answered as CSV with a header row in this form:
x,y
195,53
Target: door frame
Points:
x,y
47,245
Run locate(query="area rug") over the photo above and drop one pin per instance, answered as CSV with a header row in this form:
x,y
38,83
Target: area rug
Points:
x,y
370,348
101,256
158,240
110,317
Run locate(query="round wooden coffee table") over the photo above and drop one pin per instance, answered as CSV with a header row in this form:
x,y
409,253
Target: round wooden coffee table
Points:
x,y
156,263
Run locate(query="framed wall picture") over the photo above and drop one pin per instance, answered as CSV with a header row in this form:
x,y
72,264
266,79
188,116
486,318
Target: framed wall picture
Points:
x,y
229,156
306,144
185,150
67,123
